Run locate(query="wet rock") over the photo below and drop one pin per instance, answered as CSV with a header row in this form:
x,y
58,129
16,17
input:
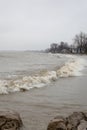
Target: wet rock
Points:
x,y
57,123
10,120
75,121
82,125
85,115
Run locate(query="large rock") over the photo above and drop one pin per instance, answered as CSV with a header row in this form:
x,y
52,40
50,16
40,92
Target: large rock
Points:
x,y
75,121
10,120
57,123
82,125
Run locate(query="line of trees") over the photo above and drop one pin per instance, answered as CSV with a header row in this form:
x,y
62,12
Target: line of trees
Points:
x,y
79,45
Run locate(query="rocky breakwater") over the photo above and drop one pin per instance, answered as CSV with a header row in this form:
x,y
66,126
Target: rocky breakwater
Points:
x,y
75,121
10,120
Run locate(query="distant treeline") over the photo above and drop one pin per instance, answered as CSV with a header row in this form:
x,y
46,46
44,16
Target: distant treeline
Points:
x,y
79,45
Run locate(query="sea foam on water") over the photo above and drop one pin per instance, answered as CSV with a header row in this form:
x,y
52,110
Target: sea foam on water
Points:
x,y
71,68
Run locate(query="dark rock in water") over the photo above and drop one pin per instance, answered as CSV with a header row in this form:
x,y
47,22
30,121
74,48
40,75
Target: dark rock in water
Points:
x,y
75,121
10,120
57,123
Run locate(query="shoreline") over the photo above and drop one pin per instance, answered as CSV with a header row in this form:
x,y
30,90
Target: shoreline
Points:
x,y
38,106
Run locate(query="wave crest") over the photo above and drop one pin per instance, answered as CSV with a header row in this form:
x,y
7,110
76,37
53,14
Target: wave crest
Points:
x,y
71,68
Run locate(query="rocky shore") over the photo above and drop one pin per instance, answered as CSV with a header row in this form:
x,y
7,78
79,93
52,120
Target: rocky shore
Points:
x,y
11,120
75,121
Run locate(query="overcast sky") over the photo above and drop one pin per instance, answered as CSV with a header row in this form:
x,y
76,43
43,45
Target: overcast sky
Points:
x,y
35,24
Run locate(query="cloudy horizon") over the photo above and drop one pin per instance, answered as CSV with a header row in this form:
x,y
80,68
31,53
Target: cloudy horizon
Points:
x,y
34,25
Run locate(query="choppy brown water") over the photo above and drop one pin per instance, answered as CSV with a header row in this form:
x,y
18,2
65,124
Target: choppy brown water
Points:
x,y
38,106
20,71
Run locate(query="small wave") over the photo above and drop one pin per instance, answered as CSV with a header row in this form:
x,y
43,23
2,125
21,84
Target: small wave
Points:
x,y
71,68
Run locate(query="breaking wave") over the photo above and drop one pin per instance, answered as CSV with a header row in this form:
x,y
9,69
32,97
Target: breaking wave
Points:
x,y
72,68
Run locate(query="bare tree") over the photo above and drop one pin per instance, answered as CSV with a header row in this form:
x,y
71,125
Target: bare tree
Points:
x,y
53,47
81,42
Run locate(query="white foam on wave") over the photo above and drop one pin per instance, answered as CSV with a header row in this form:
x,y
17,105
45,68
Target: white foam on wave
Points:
x,y
3,88
72,68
